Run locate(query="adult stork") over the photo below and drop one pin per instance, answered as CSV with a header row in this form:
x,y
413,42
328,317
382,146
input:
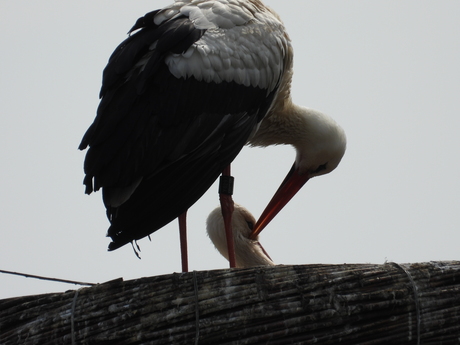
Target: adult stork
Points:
x,y
192,84
248,252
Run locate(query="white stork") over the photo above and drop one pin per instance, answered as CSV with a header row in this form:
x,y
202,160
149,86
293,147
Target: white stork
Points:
x,y
248,252
192,84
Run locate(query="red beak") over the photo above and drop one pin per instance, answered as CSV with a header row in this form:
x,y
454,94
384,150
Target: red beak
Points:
x,y
289,187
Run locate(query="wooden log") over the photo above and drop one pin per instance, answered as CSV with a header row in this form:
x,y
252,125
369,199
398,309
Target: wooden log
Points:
x,y
307,304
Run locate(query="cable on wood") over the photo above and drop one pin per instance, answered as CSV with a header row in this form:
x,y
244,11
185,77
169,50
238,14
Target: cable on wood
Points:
x,y
416,299
197,310
72,317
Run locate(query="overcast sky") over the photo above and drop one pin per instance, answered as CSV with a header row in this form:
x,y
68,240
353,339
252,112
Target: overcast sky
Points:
x,y
387,71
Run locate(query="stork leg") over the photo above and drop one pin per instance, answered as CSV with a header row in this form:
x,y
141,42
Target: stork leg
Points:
x,y
227,206
183,240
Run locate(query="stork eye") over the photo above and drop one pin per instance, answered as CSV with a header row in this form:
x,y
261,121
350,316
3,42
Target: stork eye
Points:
x,y
250,224
321,168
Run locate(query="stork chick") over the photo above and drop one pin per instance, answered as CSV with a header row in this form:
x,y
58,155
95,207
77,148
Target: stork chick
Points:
x,y
248,252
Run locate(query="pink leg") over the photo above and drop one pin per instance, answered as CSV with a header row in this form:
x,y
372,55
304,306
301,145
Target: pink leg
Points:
x,y
183,240
226,203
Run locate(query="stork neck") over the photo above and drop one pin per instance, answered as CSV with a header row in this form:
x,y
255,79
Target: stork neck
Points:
x,y
317,138
288,124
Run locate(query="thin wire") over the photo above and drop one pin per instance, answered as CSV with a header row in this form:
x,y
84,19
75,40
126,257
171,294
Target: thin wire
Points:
x,y
47,278
416,299
197,311
72,317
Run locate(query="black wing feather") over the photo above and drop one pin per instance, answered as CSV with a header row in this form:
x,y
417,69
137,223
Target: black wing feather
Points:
x,y
166,138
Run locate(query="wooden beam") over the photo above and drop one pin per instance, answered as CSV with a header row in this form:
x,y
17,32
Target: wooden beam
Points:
x,y
307,304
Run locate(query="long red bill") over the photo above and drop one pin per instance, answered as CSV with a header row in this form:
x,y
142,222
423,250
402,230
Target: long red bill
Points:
x,y
288,188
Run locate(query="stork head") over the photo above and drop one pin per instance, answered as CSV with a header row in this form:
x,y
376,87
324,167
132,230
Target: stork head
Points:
x,y
320,144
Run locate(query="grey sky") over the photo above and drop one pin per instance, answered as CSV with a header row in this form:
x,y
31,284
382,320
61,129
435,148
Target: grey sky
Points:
x,y
387,71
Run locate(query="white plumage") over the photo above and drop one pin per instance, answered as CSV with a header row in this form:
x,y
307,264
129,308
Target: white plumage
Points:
x,y
243,43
